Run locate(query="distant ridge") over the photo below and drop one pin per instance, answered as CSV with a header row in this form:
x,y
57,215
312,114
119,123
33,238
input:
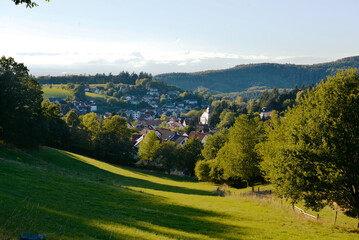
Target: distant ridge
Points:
x,y
269,75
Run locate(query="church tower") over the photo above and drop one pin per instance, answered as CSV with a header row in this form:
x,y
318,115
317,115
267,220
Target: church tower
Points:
x,y
205,116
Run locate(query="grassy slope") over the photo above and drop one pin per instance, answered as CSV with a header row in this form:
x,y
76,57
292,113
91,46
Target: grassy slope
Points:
x,y
67,196
55,92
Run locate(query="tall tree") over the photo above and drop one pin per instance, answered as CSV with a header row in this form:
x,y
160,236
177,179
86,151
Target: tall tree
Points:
x,y
21,119
238,157
114,141
58,134
167,155
313,153
148,147
214,143
93,126
191,153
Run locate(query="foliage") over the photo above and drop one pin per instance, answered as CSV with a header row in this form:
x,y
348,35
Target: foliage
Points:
x,y
79,93
21,120
238,157
148,147
114,141
29,3
312,153
58,134
227,118
214,143
190,154
93,125
72,119
167,154
122,77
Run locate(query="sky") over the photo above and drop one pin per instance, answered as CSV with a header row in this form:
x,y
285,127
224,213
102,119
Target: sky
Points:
x,y
159,36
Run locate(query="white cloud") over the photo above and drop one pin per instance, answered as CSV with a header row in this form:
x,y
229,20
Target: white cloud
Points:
x,y
100,56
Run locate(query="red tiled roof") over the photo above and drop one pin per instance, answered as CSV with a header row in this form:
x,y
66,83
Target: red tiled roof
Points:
x,y
199,135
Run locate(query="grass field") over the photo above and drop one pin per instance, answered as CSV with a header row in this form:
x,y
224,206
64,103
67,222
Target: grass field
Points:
x,y
68,196
55,91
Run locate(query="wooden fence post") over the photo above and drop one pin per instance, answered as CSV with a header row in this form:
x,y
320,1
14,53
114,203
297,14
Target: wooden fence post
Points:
x,y
336,215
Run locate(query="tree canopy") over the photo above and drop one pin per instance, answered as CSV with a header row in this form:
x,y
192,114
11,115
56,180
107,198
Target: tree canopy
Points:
x,y
313,153
21,119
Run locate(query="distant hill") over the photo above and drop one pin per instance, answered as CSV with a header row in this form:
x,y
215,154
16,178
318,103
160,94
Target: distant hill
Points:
x,y
269,75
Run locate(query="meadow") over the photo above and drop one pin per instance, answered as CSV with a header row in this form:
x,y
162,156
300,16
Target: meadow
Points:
x,y
55,91
69,196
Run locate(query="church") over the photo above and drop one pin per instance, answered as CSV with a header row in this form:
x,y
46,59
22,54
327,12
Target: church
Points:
x,y
205,117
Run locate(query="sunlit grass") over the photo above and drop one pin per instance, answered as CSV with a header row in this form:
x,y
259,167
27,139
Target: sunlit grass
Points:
x,y
69,196
55,92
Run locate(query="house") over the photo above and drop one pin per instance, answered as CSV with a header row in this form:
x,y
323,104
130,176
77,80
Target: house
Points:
x,y
175,125
95,90
135,138
266,112
179,139
154,123
191,101
203,128
135,114
173,93
165,134
201,136
93,106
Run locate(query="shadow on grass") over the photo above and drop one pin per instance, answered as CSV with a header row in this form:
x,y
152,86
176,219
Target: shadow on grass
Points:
x,y
108,177
67,208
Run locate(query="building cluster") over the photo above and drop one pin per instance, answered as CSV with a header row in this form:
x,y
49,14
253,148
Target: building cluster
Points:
x,y
82,107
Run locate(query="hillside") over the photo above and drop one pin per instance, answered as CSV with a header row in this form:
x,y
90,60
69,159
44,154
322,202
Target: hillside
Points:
x,y
68,196
270,75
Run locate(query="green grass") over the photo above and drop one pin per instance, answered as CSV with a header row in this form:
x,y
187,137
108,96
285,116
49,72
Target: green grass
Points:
x,y
68,196
96,96
55,91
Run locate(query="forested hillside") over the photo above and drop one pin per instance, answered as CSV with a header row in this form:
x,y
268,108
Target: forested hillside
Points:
x,y
270,75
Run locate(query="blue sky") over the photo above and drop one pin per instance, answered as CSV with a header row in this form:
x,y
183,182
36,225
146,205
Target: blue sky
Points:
x,y
157,36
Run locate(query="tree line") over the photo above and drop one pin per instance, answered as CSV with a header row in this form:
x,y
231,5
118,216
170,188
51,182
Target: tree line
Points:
x,y
122,77
269,75
27,121
169,156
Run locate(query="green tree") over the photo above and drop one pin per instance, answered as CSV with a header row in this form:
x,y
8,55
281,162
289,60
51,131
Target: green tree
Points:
x,y
58,134
21,119
92,125
214,143
148,147
72,119
191,153
227,118
313,153
79,92
238,157
114,141
167,155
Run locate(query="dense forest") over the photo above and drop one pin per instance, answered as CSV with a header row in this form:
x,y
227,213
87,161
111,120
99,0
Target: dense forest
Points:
x,y
269,75
122,77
